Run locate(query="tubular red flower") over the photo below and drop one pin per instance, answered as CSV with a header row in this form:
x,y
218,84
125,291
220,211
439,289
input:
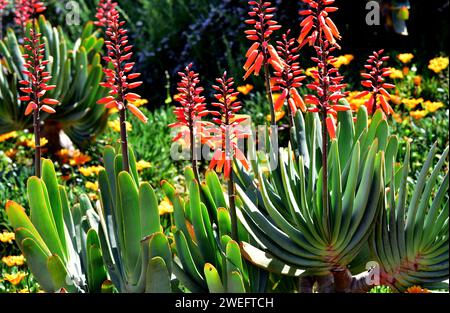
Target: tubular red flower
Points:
x,y
316,23
225,140
37,76
26,10
106,9
193,105
374,81
289,78
117,78
263,26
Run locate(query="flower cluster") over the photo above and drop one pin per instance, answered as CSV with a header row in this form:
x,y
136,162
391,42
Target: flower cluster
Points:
x,y
439,64
289,79
36,86
261,52
317,22
26,10
374,80
193,105
225,142
327,85
106,9
119,55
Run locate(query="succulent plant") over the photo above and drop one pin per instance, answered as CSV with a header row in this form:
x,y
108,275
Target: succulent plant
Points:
x,y
76,70
282,209
60,244
206,257
410,241
135,250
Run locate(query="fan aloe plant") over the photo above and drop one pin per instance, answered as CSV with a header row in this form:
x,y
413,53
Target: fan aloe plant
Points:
x,y
206,257
410,241
60,244
283,209
136,251
76,70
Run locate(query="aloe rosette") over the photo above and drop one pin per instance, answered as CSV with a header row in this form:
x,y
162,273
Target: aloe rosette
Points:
x,y
75,69
60,243
135,250
283,211
206,259
410,241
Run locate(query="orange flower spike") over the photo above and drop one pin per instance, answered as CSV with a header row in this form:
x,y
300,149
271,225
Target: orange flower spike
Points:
x,y
263,26
316,20
27,10
374,81
331,127
138,113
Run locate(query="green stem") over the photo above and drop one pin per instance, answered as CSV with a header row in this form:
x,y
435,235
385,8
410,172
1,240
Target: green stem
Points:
x,y
124,140
273,120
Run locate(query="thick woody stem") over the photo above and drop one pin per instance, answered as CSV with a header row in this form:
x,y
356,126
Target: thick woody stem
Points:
x,y
273,120
344,282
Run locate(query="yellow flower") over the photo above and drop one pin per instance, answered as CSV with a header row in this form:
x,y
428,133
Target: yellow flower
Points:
x,y
417,289
418,114
4,137
91,170
30,142
165,207
397,117
438,64
115,125
13,260
78,158
412,103
343,60
355,104
142,165
395,73
432,106
7,237
139,102
16,278
405,57
92,186
24,290
278,115
245,90
309,70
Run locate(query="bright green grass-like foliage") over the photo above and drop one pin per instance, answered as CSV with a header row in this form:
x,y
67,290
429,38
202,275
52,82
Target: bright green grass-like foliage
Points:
x,y
60,243
206,258
135,249
76,70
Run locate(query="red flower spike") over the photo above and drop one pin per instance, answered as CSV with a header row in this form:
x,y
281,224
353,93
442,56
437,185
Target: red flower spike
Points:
x,y
192,108
289,78
317,24
119,53
225,141
106,9
26,10
36,84
374,81
263,26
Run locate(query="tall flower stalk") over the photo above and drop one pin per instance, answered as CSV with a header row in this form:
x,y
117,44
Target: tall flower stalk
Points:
x,y
262,54
118,77
321,33
226,140
192,109
374,81
35,87
289,79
